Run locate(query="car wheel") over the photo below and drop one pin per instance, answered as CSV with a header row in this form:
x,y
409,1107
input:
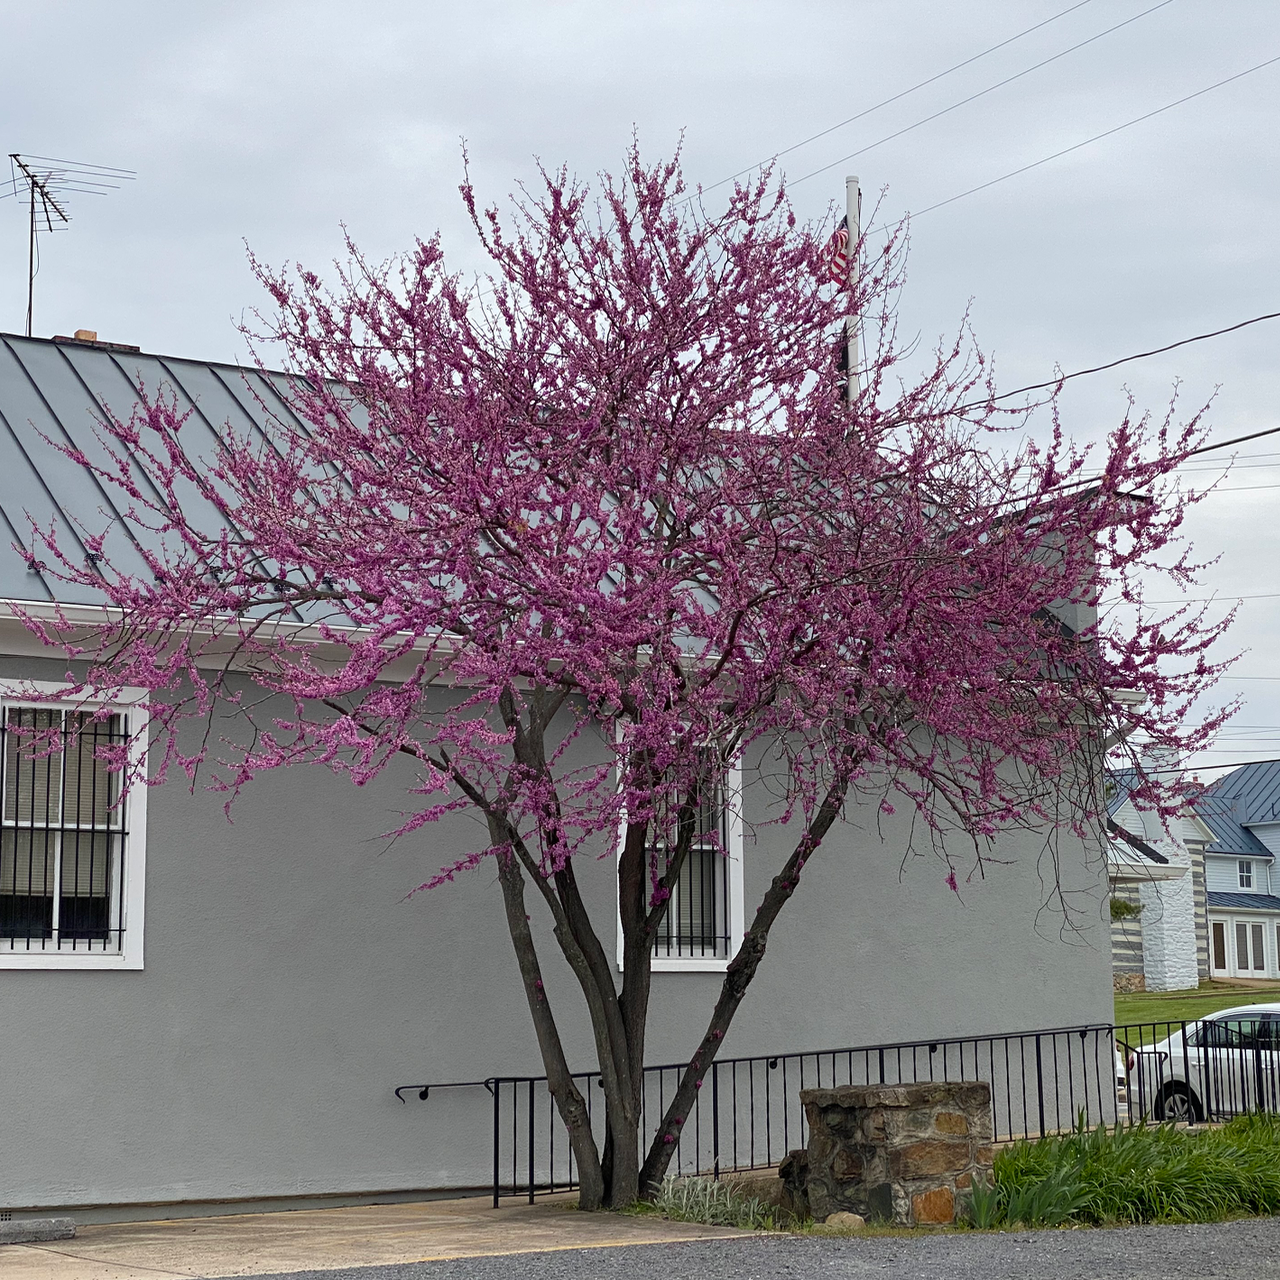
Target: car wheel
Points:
x,y
1178,1104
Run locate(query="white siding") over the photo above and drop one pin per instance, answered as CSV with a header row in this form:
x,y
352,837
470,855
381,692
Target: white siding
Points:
x,y
1222,873
1260,955
1269,834
1192,831
1129,819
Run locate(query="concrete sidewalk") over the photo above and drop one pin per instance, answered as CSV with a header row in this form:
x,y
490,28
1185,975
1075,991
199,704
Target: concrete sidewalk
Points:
x,y
330,1239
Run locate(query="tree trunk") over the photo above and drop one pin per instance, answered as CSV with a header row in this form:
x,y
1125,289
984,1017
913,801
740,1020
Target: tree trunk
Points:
x,y
624,1173
569,1101
742,968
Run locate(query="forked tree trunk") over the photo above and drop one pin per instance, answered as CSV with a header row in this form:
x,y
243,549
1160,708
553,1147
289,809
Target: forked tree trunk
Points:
x,y
618,1179
742,969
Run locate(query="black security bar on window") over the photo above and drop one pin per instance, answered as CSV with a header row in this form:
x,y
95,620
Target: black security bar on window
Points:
x,y
62,831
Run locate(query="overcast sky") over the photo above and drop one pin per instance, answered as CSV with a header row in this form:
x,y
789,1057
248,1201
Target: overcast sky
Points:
x,y
274,123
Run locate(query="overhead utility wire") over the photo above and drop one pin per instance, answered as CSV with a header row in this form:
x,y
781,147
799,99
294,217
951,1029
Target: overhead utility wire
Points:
x,y
896,97
1097,137
1141,355
973,97
1197,768
1222,444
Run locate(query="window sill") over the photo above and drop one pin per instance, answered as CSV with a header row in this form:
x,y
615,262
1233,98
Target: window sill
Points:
x,y
688,964
48,961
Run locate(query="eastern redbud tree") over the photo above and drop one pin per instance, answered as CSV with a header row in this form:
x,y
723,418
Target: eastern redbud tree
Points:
x,y
616,497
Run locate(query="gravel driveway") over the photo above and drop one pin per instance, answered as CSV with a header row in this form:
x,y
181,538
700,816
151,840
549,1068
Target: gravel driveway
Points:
x,y
1245,1249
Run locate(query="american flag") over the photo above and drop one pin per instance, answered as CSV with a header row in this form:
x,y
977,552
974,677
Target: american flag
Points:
x,y
837,252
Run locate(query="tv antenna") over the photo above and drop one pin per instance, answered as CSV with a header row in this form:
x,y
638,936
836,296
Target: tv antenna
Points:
x,y
45,184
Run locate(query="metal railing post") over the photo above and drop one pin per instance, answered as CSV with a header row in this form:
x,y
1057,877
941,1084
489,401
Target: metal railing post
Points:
x,y
531,1084
715,1119
497,1142
1040,1083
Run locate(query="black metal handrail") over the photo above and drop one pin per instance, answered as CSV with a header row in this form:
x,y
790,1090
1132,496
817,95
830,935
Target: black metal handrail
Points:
x,y
1042,1082
748,1115
424,1090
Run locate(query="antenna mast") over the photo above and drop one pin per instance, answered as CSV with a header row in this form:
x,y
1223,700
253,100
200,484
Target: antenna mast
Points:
x,y
45,182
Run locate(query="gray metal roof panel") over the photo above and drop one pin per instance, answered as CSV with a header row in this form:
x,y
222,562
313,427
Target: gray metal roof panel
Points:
x,y
1230,834
1247,796
37,482
1255,789
1244,901
1121,783
114,386
54,393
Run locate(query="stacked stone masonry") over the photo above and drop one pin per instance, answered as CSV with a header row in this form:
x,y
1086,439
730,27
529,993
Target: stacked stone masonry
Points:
x,y
906,1154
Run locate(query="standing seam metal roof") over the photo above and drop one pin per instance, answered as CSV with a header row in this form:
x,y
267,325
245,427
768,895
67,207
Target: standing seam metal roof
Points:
x,y
53,394
1243,901
1247,796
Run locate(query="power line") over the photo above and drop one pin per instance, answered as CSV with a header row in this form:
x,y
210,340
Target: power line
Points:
x,y
1198,768
1205,471
1141,355
1222,444
822,133
1269,595
973,97
1144,355
1097,137
1240,488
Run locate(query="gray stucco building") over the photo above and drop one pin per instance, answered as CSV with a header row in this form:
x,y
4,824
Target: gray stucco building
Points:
x,y
200,1012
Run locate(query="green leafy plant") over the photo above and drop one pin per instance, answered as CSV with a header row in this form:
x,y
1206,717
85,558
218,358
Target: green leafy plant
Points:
x,y
984,1209
714,1203
1047,1202
1122,910
1135,1174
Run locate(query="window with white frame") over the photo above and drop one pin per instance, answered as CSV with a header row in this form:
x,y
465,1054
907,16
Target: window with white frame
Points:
x,y
703,923
1245,870
71,848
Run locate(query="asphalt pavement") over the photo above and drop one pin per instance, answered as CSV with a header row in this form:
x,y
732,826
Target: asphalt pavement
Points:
x,y
1231,1249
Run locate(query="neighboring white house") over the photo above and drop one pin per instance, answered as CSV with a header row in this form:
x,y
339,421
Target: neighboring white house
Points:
x,y
200,1013
1158,873
1231,834
1242,811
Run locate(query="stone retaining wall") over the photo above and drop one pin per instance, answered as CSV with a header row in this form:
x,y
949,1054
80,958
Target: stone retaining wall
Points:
x,y
897,1153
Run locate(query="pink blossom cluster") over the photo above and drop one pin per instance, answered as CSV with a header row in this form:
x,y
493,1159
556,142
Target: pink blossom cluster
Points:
x,y
616,500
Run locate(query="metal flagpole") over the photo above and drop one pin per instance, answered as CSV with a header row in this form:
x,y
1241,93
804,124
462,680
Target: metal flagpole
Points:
x,y
853,218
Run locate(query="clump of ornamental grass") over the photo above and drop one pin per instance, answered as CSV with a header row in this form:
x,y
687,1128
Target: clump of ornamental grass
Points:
x,y
716,1204
1135,1174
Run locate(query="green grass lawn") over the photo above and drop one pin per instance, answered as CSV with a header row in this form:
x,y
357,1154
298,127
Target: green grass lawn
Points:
x,y
1179,1006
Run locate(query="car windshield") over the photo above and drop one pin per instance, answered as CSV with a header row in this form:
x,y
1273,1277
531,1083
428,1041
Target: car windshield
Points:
x,y
1233,1033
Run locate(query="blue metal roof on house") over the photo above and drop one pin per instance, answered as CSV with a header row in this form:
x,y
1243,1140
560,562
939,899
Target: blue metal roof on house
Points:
x,y
53,394
1256,790
1244,901
1247,796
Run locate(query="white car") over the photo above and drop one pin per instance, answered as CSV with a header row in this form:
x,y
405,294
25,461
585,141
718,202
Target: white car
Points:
x,y
1220,1066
